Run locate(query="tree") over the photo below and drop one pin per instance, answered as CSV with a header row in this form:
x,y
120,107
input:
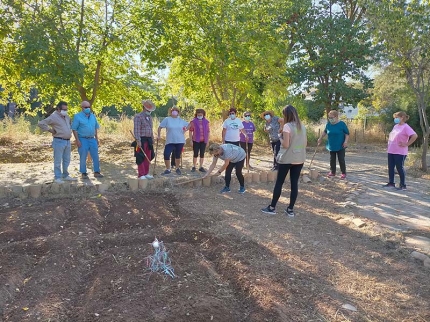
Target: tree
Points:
x,y
331,55
75,50
403,27
222,53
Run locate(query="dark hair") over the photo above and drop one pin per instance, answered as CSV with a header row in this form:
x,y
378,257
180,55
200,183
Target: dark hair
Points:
x,y
231,110
60,105
200,111
291,116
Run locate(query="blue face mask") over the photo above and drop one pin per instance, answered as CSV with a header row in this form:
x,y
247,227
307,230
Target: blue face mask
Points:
x,y
247,118
148,112
232,116
267,117
87,110
397,120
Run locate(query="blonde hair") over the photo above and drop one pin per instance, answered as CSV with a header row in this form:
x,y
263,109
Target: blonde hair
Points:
x,y
401,114
214,147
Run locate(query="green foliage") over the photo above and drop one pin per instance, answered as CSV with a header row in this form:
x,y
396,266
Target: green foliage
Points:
x,y
330,57
223,53
73,51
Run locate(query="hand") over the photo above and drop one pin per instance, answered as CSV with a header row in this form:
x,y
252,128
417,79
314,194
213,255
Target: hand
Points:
x,y
52,131
217,173
402,144
78,143
246,138
139,144
345,144
98,143
319,142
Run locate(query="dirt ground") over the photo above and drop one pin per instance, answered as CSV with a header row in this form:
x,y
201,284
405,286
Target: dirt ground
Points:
x,y
70,258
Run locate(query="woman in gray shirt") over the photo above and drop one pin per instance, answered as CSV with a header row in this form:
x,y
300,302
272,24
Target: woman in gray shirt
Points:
x,y
234,157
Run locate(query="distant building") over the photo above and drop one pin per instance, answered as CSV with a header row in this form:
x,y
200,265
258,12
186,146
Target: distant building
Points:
x,y
349,111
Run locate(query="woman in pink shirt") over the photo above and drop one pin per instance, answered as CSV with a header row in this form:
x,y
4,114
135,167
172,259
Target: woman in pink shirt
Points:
x,y
199,135
400,138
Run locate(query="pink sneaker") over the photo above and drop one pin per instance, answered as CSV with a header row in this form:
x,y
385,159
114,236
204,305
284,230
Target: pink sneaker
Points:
x,y
330,174
343,176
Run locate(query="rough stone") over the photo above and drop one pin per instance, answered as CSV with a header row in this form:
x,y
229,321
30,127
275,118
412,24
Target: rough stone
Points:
x,y
143,184
255,177
358,222
263,176
420,242
420,256
133,184
35,190
306,179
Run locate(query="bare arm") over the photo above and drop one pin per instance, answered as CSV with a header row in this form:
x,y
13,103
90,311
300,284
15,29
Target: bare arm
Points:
x,y
345,143
323,134
285,140
281,123
223,134
211,167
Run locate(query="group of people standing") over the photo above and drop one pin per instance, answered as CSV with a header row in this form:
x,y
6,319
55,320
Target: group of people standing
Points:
x,y
85,131
287,136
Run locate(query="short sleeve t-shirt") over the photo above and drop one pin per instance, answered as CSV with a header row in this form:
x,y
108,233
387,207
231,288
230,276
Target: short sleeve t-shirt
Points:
x,y
336,135
232,152
249,129
233,128
399,134
174,129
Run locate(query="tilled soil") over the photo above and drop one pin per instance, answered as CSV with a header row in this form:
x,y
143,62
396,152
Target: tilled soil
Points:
x,y
85,260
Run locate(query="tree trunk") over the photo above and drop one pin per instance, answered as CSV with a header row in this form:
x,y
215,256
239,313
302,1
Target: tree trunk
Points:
x,y
424,155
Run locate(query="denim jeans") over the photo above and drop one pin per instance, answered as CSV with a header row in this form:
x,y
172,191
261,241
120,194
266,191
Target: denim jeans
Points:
x,y
62,150
397,161
88,145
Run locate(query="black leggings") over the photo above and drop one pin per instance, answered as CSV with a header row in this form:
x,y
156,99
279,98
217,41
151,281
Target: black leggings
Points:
x,y
199,147
247,148
341,157
283,169
276,146
239,175
231,142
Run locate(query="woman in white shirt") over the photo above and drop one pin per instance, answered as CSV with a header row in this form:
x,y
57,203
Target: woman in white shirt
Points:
x,y
231,128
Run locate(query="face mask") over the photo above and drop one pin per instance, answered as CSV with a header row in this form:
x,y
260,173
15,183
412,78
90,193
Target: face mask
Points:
x,y
267,117
148,112
232,116
397,120
63,112
332,120
200,117
247,118
87,110
175,113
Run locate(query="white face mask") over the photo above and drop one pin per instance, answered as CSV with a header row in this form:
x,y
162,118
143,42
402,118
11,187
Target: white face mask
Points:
x,y
63,112
200,117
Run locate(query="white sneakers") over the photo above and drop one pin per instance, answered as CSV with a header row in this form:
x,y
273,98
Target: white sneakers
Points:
x,y
148,176
69,178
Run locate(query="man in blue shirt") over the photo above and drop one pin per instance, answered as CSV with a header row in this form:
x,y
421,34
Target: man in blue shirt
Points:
x,y
84,129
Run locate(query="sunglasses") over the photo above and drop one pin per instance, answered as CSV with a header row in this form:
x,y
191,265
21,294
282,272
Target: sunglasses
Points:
x,y
232,114
247,115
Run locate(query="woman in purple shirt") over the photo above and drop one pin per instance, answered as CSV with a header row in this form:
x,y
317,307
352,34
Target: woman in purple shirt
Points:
x,y
249,129
199,135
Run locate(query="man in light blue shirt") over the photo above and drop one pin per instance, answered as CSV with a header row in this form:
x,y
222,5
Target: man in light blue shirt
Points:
x,y
84,129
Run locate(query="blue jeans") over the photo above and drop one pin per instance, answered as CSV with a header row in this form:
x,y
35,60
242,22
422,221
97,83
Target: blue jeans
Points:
x,y
398,161
88,145
62,150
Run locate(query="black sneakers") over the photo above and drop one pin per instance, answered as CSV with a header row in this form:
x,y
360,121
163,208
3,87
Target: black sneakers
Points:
x,y
269,210
290,212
